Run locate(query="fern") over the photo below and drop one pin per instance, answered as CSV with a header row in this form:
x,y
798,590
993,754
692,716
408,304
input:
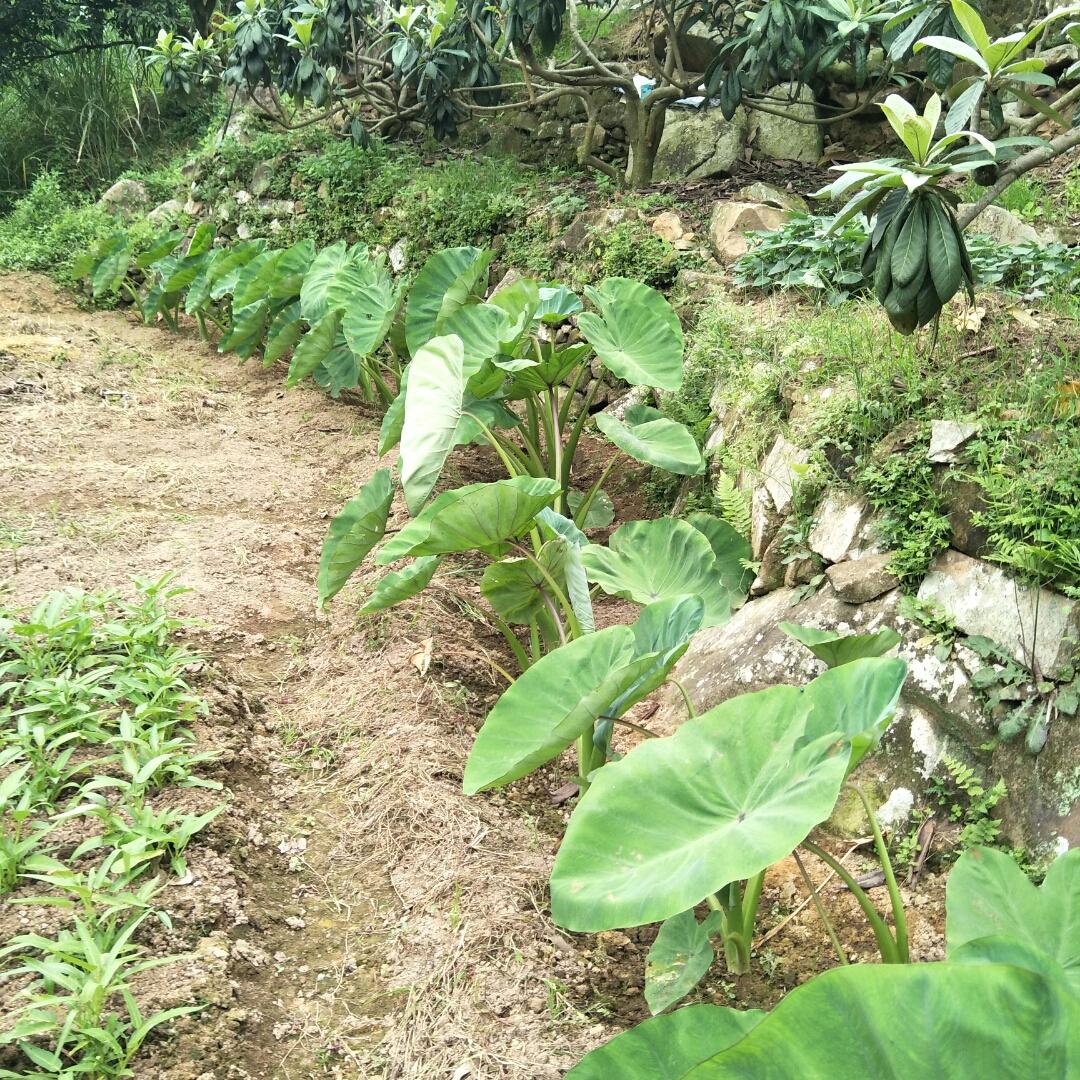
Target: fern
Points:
x,y
733,504
967,786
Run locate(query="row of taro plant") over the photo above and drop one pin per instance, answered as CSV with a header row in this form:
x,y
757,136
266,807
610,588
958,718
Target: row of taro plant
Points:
x,y
678,825
507,371
94,708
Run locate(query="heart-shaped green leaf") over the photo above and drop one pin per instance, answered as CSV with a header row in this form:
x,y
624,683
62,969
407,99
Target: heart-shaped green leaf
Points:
x,y
477,517
988,894
668,1046
520,589
551,703
636,335
371,309
283,334
732,551
857,699
314,347
400,585
433,403
650,560
335,277
835,649
649,436
679,957
447,281
678,818
931,1021
353,533
557,304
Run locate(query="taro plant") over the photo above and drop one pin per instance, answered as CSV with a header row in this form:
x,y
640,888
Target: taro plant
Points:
x,y
698,817
1005,1002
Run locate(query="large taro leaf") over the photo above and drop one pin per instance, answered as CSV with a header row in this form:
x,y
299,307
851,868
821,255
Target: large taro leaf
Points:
x,y
291,270
339,369
519,589
647,435
226,268
835,649
667,1046
727,795
482,328
556,304
650,560
988,894
370,311
314,347
433,404
857,699
394,417
353,533
247,329
477,517
600,512
662,634
549,705
114,256
519,301
254,281
554,368
447,281
679,957
402,584
636,335
732,551
337,273
284,332
909,1022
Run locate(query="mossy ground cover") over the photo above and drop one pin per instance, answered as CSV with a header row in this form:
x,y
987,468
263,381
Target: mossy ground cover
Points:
x,y
839,383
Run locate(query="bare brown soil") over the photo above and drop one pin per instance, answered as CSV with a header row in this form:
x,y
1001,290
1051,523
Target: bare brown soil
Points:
x,y
352,914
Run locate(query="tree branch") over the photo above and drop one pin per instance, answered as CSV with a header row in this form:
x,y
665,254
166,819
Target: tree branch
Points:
x,y
1031,160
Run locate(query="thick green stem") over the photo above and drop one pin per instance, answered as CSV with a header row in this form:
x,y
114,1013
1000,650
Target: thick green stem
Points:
x,y
515,646
751,899
575,435
556,459
690,710
587,501
886,944
899,918
822,913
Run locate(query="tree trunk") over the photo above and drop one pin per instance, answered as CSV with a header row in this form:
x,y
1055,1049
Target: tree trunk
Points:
x,y
202,13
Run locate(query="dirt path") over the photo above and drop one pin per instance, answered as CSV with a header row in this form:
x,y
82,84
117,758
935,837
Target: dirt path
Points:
x,y
353,914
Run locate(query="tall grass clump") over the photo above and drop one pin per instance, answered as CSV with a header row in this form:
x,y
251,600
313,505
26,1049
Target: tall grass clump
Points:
x,y
88,114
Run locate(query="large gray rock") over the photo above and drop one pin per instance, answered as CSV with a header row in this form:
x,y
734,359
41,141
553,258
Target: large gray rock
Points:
x,y
948,439
697,144
732,220
126,198
784,138
858,581
165,212
590,222
760,192
980,598
940,711
1001,225
765,521
838,525
780,471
